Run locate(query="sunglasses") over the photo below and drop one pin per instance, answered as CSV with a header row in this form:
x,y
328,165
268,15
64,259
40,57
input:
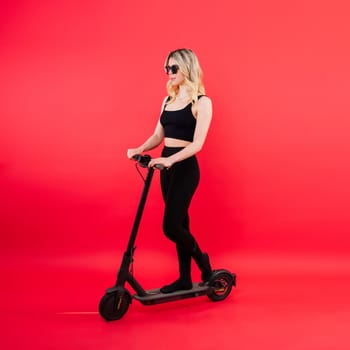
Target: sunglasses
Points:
x,y
171,69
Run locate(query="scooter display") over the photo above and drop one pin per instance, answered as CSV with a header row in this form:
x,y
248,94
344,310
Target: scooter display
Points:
x,y
116,300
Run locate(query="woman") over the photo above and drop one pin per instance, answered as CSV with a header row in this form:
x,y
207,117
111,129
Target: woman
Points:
x,y
183,125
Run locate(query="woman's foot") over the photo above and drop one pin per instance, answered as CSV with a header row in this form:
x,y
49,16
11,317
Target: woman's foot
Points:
x,y
175,286
205,268
202,261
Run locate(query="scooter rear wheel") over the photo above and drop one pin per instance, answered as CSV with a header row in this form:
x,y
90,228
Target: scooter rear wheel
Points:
x,y
221,284
114,305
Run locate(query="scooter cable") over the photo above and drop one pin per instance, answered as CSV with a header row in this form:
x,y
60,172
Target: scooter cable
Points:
x,y
140,173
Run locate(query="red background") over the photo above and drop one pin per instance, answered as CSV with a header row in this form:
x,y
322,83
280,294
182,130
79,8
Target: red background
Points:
x,y
82,81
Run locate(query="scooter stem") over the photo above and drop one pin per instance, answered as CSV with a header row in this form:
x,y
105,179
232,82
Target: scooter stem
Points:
x,y
139,212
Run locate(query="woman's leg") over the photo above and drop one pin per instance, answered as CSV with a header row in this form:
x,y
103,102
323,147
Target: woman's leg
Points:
x,y
178,186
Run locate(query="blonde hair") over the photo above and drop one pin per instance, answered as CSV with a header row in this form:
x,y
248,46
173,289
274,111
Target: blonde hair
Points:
x,y
190,68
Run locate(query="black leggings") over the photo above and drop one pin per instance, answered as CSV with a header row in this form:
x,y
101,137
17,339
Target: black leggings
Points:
x,y
178,185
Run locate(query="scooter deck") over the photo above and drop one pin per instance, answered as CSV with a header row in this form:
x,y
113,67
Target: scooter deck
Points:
x,y
154,296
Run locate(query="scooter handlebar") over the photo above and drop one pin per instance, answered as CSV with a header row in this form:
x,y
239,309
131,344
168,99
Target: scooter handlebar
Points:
x,y
143,160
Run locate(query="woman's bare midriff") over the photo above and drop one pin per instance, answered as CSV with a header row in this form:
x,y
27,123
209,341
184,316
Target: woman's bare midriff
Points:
x,y
170,142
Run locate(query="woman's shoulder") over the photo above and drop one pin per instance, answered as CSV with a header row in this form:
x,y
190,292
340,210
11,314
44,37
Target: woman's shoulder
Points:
x,y
204,99
165,101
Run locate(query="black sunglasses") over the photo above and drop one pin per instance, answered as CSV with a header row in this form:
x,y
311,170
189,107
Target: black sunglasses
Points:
x,y
171,69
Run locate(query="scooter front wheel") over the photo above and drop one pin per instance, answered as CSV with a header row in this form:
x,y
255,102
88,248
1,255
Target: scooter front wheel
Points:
x,y
221,285
114,305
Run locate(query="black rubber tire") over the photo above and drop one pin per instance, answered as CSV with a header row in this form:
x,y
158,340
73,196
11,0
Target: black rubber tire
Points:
x,y
113,306
221,286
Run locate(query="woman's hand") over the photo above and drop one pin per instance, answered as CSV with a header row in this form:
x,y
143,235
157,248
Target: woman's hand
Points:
x,y
133,152
166,162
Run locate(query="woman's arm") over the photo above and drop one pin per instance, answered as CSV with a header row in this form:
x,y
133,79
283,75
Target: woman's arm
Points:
x,y
204,117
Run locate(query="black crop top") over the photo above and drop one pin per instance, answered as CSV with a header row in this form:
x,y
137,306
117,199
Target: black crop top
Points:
x,y
179,124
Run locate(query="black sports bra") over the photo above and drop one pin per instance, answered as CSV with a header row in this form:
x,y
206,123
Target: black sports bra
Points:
x,y
179,124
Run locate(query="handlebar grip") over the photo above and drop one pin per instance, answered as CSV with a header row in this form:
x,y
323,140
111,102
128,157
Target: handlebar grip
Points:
x,y
159,166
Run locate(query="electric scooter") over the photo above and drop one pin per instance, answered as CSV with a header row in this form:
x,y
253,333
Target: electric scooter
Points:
x,y
115,303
